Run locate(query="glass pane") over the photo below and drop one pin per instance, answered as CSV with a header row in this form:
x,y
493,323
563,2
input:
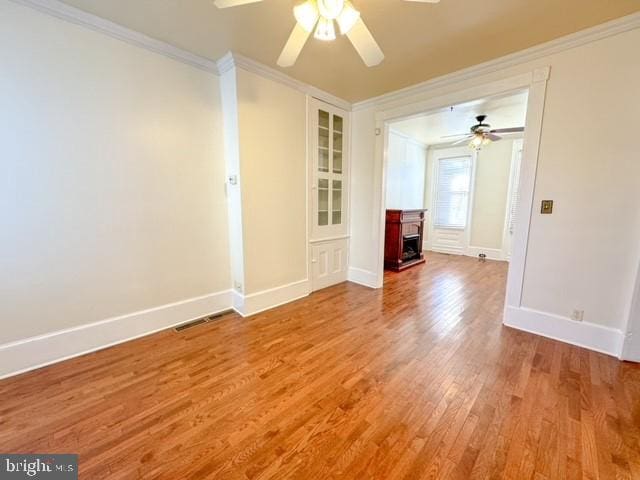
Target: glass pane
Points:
x,y
323,160
323,201
337,162
323,138
336,196
323,119
337,142
337,123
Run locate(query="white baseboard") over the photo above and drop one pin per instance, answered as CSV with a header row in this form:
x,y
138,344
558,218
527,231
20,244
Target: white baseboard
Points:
x,y
630,349
35,352
491,253
448,250
266,299
362,277
583,334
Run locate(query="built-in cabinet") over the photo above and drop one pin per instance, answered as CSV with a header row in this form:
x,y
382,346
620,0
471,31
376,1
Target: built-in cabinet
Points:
x,y
328,193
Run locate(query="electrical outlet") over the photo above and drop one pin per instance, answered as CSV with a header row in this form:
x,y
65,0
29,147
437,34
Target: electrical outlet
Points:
x,y
577,315
237,286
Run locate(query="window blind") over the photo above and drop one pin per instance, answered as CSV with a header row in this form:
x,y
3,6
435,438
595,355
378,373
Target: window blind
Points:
x,y
452,192
515,190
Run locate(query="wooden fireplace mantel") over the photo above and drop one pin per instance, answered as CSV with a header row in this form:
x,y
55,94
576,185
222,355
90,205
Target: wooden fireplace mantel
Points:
x,y
404,235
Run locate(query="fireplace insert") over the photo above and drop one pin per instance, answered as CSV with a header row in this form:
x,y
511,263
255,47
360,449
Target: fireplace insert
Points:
x,y
410,247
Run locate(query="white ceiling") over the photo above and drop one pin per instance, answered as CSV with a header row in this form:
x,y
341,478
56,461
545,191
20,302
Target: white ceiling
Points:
x,y
429,128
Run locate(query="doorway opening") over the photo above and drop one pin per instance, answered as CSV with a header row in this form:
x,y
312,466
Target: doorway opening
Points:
x,y
461,165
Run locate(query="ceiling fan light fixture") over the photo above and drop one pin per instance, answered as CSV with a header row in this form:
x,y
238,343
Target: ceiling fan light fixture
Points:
x,y
330,9
347,18
477,141
306,14
325,30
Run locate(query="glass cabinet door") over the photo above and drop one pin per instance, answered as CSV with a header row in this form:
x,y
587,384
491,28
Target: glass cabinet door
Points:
x,y
330,168
329,182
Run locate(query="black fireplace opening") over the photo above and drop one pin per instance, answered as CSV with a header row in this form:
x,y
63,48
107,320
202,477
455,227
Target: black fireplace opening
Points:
x,y
410,247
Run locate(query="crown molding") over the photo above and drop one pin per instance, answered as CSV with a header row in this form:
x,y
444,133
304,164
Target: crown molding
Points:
x,y
77,16
74,15
234,60
582,37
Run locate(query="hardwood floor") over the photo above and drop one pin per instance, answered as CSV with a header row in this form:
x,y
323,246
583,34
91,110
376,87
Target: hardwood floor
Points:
x,y
419,380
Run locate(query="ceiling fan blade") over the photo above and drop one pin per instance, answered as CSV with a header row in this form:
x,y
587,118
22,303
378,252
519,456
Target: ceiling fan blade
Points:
x,y
462,140
233,3
508,130
293,47
365,44
456,135
492,137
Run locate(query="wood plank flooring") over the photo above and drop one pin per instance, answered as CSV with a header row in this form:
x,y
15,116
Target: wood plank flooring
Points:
x,y
416,381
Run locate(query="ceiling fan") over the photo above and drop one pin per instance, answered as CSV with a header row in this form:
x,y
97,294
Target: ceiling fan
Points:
x,y
318,16
481,133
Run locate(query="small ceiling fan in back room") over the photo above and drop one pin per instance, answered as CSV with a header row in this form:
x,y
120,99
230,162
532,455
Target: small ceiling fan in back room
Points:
x,y
318,16
482,134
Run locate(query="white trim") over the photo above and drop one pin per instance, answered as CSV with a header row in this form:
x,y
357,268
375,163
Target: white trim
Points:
x,y
35,352
471,201
598,32
491,253
77,16
233,185
526,185
362,277
583,334
448,250
631,347
253,303
235,60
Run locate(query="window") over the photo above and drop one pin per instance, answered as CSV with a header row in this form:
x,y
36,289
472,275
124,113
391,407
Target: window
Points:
x,y
452,192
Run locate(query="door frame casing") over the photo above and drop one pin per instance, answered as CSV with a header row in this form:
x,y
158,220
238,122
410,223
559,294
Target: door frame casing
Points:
x,y
631,345
536,83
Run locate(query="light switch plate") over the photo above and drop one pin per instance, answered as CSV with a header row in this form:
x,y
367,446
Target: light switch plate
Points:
x,y
546,207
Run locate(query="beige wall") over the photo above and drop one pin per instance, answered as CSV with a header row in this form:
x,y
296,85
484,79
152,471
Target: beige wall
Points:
x,y
493,166
111,178
272,144
584,255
